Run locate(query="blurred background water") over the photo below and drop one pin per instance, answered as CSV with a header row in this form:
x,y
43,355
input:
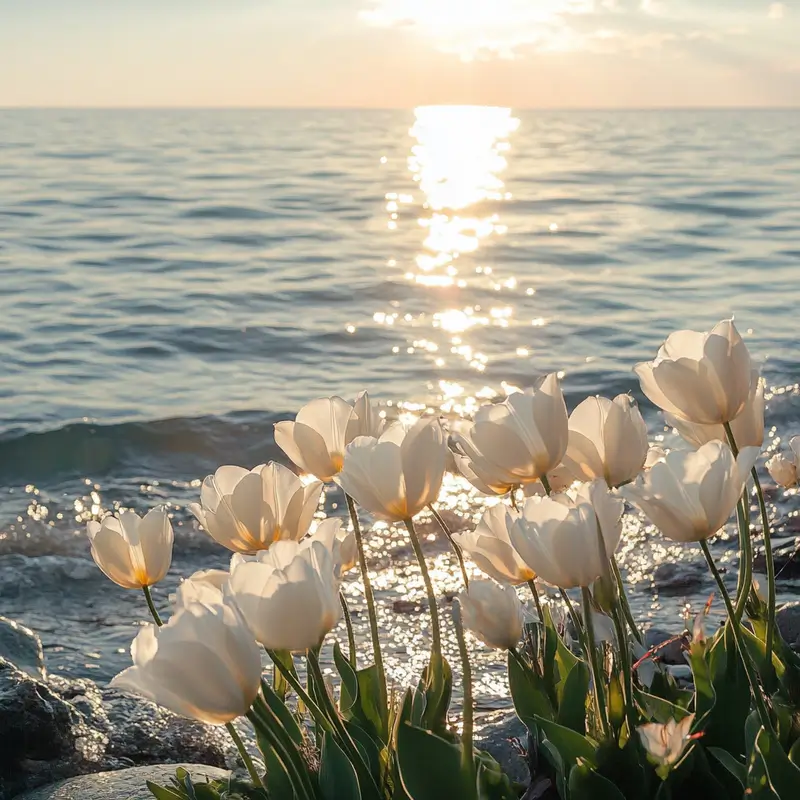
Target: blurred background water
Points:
x,y
174,282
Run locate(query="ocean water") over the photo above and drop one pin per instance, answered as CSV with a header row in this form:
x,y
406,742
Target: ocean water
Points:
x,y
174,282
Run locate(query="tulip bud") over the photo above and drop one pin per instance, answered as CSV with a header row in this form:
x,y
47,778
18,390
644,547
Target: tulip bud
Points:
x,y
664,744
493,613
133,552
203,664
691,494
784,470
700,377
604,592
247,511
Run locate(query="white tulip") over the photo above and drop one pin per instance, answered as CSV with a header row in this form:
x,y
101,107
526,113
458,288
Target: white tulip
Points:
x,y
514,442
785,470
288,594
747,428
558,537
366,420
205,585
489,546
607,439
396,476
247,511
133,552
493,613
203,664
665,744
691,494
655,454
700,377
340,541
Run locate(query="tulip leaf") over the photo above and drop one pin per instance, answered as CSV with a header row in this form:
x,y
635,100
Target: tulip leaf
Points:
x,y
705,696
550,754
572,698
337,776
616,704
370,704
570,745
794,753
437,683
368,746
163,792
783,775
348,693
586,784
659,709
734,767
430,767
527,690
279,709
551,640
493,783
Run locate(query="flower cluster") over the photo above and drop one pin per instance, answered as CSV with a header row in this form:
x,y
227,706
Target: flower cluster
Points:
x,y
560,483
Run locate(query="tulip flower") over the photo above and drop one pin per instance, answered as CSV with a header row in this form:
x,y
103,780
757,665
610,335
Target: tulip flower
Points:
x,y
247,511
559,537
203,664
288,594
747,428
700,377
691,493
493,613
514,442
396,476
654,455
490,547
365,421
340,541
133,552
202,586
664,744
785,470
607,439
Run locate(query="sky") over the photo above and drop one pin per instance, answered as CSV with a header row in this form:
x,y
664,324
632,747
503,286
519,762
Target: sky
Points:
x,y
399,53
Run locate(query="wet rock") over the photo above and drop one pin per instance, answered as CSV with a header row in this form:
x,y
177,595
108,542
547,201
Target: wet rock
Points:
x,y
22,647
671,652
787,618
130,784
501,737
681,577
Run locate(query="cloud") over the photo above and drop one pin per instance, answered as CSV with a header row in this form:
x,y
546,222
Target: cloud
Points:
x,y
776,11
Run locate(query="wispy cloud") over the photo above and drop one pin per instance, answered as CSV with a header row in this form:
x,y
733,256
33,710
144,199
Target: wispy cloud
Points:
x,y
776,11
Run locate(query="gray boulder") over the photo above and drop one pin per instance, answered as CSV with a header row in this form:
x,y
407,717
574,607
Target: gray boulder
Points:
x,y
787,618
22,647
671,653
500,736
127,784
680,577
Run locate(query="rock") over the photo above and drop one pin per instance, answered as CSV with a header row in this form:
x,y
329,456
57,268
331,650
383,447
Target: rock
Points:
x,y
787,618
671,653
124,784
499,737
682,577
22,647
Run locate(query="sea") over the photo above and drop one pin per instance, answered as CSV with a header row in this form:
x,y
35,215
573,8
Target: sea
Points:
x,y
173,282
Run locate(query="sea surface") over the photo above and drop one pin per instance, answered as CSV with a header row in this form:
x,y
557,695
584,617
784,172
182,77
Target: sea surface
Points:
x,y
174,282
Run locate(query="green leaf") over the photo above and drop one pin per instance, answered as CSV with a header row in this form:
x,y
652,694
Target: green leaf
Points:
x,y
794,753
616,704
164,793
348,693
551,641
437,683
705,697
572,698
430,767
586,784
494,784
337,776
725,725
550,754
570,745
279,709
784,776
659,709
734,767
369,747
527,690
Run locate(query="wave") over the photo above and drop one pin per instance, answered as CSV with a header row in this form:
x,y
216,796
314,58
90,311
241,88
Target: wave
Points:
x,y
182,448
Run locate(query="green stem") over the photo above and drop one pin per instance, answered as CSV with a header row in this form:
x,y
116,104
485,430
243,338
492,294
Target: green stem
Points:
x,y
300,691
436,635
625,662
576,623
456,549
591,655
351,638
346,742
370,597
467,757
546,484
151,605
248,762
755,689
535,593
626,606
770,573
